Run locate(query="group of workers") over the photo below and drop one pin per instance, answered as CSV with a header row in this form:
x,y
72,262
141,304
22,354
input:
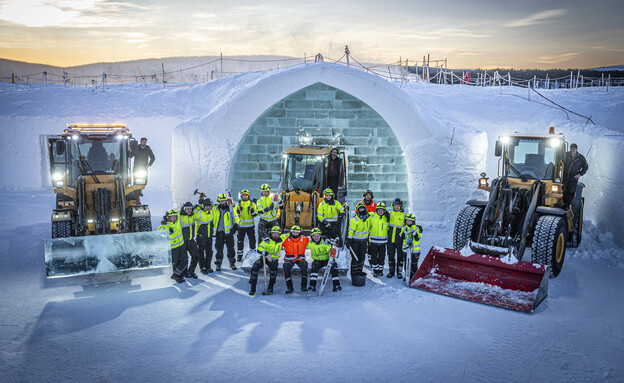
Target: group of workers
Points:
x,y
372,230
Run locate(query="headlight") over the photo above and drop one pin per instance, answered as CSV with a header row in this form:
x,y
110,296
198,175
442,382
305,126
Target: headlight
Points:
x,y
141,173
554,142
139,181
555,189
59,184
505,139
57,177
482,181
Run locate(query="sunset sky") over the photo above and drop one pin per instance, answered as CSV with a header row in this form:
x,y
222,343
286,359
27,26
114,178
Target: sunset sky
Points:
x,y
483,33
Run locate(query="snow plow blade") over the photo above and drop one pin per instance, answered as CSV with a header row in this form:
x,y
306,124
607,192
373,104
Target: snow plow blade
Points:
x,y
96,254
519,286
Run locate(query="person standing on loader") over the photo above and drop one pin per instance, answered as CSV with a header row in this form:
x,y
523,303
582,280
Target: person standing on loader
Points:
x,y
187,221
395,244
334,170
179,259
321,250
294,247
270,249
246,210
203,231
143,157
225,223
357,239
574,166
268,212
378,238
411,234
328,213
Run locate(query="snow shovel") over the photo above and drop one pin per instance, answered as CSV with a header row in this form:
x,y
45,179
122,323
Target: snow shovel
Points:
x,y
514,285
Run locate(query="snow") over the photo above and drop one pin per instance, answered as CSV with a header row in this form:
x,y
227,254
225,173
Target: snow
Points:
x,y
140,326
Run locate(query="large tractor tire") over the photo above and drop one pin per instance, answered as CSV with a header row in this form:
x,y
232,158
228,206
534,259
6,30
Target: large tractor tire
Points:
x,y
61,229
142,224
577,234
549,243
467,226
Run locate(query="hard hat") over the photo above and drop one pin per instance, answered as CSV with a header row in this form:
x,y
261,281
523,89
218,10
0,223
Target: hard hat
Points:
x,y
222,197
295,229
397,201
244,191
276,229
171,212
328,191
187,204
207,202
410,217
368,192
359,206
381,205
316,230
265,187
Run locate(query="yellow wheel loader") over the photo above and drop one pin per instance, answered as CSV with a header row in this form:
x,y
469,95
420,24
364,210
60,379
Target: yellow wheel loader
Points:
x,y
99,224
525,210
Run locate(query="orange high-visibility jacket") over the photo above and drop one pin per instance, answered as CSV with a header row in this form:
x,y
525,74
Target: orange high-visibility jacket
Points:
x,y
295,247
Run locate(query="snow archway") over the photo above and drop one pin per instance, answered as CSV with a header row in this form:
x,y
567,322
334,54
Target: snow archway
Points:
x,y
204,150
323,115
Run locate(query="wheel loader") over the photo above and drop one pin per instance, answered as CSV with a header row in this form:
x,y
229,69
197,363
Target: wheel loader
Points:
x,y
99,223
302,182
524,213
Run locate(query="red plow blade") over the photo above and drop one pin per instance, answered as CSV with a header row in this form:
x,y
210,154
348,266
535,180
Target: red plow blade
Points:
x,y
519,286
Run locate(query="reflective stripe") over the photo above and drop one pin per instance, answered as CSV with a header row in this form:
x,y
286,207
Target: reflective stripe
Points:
x,y
186,225
331,219
361,232
382,238
378,241
397,226
174,238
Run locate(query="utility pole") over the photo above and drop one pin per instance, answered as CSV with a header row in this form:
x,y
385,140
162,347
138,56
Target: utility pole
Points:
x,y
347,53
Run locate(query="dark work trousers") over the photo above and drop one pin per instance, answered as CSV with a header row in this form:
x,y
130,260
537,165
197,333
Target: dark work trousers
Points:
x,y
569,190
191,248
303,265
414,268
332,231
316,266
395,248
227,240
257,266
179,260
250,232
264,227
205,251
359,247
378,256
332,183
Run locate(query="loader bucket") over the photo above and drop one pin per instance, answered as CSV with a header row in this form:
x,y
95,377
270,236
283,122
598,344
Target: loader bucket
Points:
x,y
482,278
106,253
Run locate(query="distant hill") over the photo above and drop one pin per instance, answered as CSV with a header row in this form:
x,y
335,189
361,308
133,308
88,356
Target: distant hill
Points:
x,y
610,68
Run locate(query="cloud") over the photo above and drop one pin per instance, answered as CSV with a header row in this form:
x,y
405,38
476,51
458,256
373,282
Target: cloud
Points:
x,y
537,17
68,13
555,59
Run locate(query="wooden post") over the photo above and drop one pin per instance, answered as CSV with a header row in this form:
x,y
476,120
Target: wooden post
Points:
x,y
609,82
571,79
163,72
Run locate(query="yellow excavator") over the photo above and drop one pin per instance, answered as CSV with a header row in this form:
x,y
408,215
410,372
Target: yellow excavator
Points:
x,y
99,223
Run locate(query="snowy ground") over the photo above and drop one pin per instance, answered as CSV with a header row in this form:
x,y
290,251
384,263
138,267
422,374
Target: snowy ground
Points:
x,y
138,326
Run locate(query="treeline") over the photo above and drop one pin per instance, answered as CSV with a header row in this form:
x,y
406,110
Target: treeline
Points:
x,y
527,74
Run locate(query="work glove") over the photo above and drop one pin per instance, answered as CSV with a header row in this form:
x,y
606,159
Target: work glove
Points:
x,y
419,228
170,231
349,242
233,229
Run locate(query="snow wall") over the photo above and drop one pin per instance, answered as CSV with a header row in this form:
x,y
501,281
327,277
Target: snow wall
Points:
x,y
207,148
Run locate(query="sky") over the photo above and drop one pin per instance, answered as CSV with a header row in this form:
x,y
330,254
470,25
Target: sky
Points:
x,y
469,34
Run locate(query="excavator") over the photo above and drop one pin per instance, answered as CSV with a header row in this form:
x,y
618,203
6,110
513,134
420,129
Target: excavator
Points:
x,y
525,212
99,224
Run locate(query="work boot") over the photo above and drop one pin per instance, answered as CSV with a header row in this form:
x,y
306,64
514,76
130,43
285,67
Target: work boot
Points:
x,y
233,266
289,287
337,288
204,271
390,274
218,268
399,275
252,290
209,270
269,291
179,279
311,289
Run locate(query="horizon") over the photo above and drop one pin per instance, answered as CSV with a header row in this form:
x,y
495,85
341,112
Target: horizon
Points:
x,y
510,35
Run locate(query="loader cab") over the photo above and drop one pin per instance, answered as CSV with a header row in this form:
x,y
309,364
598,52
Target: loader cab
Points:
x,y
531,157
303,170
85,151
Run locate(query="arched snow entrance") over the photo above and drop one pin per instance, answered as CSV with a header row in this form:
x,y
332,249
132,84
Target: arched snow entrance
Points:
x,y
323,115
